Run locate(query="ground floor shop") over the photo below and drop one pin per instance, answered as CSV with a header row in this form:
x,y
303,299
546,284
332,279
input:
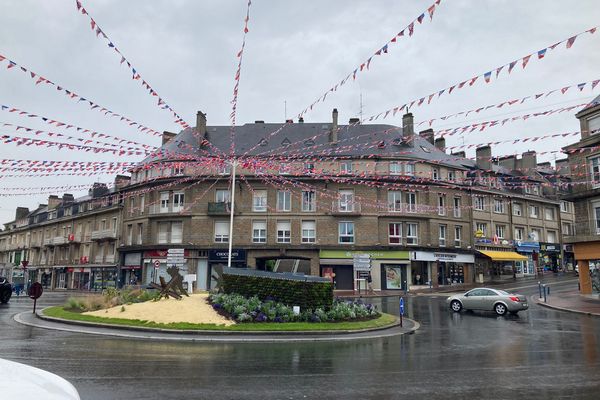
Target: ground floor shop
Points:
x,y
359,269
496,265
530,266
89,277
587,259
439,268
550,257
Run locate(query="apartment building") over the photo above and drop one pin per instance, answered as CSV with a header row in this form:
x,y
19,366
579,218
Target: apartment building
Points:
x,y
584,167
340,201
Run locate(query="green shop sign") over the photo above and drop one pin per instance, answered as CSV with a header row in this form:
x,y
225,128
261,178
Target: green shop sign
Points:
x,y
377,255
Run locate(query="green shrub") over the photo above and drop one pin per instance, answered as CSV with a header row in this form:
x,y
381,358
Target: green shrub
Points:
x,y
110,297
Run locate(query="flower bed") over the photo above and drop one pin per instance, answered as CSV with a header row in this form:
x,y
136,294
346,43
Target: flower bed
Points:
x,y
109,298
242,309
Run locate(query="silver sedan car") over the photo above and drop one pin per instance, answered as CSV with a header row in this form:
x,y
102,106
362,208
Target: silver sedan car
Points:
x,y
488,300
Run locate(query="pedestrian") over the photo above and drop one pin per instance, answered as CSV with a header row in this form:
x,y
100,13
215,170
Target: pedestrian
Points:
x,y
370,283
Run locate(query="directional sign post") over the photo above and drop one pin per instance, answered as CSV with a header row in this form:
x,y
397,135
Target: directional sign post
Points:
x,y
401,309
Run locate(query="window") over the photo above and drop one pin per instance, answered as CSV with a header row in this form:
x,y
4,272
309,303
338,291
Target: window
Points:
x,y
409,169
565,206
479,203
441,204
176,232
481,227
129,235
451,176
567,229
443,231
284,232
346,167
551,237
259,231
346,232
308,201
221,231
457,235
131,205
457,207
411,202
517,209
535,235
435,174
498,206
178,201
309,231
346,200
412,237
549,214
395,233
593,125
177,170
309,167
500,231
394,200
224,169
284,169
284,200
164,202
259,201
536,189
222,195
534,211
519,233
142,203
140,228
163,232
395,168
597,216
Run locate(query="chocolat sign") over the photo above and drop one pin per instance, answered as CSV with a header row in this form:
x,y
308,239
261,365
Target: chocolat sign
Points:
x,y
237,255
442,256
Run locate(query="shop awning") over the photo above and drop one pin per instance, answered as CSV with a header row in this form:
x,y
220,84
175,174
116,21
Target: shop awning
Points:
x,y
503,255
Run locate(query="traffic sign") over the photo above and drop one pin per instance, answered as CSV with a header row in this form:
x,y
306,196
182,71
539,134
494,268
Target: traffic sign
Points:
x,y
362,262
401,305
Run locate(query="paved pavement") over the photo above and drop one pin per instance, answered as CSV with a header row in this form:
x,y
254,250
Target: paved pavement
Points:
x,y
571,301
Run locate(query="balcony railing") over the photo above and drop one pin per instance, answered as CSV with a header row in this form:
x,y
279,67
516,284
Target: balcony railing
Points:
x,y
158,209
220,208
104,234
48,242
345,207
58,240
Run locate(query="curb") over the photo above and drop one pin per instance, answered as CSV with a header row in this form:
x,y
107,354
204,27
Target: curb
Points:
x,y
219,336
535,299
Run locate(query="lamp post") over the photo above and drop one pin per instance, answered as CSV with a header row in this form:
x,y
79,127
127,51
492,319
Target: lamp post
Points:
x,y
233,165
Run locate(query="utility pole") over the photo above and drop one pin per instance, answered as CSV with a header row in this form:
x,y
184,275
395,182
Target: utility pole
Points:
x,y
233,165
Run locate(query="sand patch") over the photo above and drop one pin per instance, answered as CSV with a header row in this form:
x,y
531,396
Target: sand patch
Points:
x,y
194,309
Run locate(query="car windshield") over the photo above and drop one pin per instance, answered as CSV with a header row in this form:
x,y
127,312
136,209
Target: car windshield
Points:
x,y
502,292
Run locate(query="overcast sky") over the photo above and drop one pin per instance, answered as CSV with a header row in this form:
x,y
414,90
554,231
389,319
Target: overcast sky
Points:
x,y
295,51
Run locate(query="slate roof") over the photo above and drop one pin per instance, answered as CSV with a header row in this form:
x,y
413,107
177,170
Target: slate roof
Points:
x,y
310,138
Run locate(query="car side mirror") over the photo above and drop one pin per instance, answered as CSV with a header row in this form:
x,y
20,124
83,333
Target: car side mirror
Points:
x,y
466,294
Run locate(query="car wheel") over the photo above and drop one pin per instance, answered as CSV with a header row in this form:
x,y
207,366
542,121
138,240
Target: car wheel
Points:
x,y
500,309
5,297
456,306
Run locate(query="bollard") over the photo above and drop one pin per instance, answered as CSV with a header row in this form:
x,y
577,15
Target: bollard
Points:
x,y
544,286
540,289
548,288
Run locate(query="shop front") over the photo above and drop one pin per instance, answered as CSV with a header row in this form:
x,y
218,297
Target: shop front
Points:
x,y
350,270
217,260
441,268
154,266
550,256
497,265
131,271
80,278
103,277
568,257
60,278
531,250
587,259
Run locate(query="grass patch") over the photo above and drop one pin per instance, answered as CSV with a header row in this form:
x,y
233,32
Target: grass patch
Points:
x,y
381,321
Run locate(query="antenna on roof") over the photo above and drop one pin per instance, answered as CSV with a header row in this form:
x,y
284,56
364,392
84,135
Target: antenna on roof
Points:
x,y
285,110
360,110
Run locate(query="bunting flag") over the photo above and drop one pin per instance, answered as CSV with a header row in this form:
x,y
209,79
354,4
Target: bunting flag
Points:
x,y
364,66
524,62
240,56
93,106
135,75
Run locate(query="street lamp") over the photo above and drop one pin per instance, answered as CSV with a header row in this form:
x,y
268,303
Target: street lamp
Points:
x,y
233,165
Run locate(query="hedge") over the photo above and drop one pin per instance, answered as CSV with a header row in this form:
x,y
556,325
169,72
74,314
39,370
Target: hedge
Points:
x,y
292,292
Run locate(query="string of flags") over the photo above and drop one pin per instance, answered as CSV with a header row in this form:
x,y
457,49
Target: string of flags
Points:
x,y
65,125
236,78
365,65
74,96
135,74
486,76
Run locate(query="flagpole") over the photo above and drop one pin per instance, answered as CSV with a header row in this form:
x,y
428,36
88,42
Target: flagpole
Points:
x,y
233,165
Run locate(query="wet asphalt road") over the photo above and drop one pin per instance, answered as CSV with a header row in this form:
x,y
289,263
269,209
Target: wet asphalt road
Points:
x,y
541,354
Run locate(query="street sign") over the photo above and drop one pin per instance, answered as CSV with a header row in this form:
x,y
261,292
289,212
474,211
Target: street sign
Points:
x,y
24,263
176,256
401,305
362,262
34,292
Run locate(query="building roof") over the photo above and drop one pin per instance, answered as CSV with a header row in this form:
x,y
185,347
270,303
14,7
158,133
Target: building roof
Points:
x,y
257,139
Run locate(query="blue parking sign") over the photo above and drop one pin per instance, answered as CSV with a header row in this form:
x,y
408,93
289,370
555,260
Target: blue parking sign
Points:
x,y
401,305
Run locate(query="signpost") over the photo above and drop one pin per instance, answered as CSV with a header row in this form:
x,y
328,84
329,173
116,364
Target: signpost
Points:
x,y
34,292
401,310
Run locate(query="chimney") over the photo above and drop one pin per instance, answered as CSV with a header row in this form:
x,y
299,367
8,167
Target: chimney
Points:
x,y
529,162
301,120
333,138
440,143
21,212
428,135
460,154
483,156
68,198
53,201
408,130
354,121
508,162
562,166
122,181
97,190
201,127
167,136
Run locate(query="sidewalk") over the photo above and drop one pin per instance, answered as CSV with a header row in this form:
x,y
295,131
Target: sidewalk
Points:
x,y
571,301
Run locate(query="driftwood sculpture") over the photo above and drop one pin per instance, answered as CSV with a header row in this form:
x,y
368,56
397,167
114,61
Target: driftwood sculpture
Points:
x,y
173,288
